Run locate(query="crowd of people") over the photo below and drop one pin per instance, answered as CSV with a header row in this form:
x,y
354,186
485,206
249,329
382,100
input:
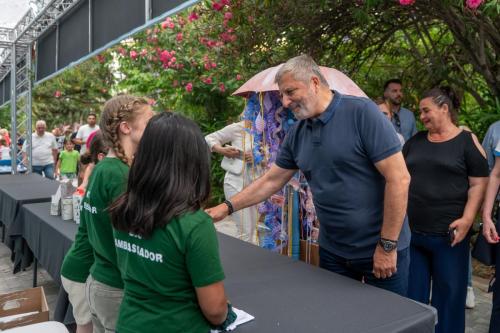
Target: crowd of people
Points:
x,y
395,205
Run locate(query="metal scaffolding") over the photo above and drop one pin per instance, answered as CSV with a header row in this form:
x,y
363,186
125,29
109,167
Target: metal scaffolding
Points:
x,y
16,50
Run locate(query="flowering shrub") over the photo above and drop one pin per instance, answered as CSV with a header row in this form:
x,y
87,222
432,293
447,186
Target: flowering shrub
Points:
x,y
190,52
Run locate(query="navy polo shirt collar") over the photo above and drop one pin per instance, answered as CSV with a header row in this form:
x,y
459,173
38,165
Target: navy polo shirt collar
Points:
x,y
330,109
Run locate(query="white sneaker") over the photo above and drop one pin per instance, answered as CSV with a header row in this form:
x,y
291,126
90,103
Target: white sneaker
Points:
x,y
470,301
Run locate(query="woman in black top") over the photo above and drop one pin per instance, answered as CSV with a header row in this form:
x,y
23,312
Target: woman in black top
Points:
x,y
449,174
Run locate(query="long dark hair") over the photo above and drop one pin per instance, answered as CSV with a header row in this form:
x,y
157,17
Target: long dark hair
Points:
x,y
169,176
445,95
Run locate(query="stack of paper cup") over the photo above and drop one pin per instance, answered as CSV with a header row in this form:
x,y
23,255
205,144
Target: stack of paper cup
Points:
x,y
67,209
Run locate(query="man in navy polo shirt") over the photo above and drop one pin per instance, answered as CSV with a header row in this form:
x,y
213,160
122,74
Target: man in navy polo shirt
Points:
x,y
351,157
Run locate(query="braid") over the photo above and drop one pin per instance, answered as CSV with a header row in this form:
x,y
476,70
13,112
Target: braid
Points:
x,y
117,109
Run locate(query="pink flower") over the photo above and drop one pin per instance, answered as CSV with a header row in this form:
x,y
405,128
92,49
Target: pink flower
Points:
x,y
225,2
181,21
122,51
207,66
473,4
179,37
100,58
133,55
189,87
165,56
144,52
57,94
193,17
228,15
225,36
222,87
238,77
406,2
217,6
211,43
151,101
213,64
208,80
168,23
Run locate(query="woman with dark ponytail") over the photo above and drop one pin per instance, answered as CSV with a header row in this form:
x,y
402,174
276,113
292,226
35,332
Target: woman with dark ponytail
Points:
x,y
449,173
166,245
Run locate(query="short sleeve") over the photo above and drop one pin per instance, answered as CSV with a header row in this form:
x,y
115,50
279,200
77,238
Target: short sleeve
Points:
x,y
79,134
285,158
53,143
477,164
497,149
223,136
202,255
377,133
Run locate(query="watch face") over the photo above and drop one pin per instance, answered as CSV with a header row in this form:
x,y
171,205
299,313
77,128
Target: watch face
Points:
x,y
387,246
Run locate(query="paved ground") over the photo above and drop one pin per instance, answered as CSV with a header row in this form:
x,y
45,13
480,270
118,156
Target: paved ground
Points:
x,y
477,318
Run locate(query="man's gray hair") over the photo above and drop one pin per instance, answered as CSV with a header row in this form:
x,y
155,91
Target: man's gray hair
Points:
x,y
41,122
302,68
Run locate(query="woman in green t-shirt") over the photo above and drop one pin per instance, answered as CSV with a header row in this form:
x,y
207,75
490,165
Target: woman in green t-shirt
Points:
x,y
166,245
80,257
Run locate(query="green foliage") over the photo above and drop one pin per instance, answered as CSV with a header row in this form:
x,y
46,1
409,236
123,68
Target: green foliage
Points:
x,y
192,62
69,97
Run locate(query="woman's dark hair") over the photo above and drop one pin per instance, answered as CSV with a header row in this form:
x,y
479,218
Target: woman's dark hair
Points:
x,y
445,95
97,146
169,176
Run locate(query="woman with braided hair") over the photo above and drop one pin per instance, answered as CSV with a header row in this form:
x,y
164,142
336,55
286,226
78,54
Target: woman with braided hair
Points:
x,y
122,123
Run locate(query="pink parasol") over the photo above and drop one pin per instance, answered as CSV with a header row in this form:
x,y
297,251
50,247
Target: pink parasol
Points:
x,y
264,81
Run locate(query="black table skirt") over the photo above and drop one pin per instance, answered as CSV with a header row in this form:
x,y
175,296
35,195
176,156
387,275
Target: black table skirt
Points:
x,y
284,295
15,191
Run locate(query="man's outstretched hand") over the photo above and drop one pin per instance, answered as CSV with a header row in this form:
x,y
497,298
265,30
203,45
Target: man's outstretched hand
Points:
x,y
218,213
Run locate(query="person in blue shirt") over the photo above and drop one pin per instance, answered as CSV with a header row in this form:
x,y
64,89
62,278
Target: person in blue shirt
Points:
x,y
403,119
351,157
490,142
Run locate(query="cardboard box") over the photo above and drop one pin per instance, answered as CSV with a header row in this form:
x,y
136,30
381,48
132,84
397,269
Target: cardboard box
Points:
x,y
31,302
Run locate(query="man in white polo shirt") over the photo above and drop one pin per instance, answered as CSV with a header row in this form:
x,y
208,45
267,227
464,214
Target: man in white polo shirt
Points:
x,y
84,132
44,151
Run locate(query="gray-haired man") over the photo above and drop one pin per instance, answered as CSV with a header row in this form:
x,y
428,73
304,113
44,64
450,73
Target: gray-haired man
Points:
x,y
44,150
351,157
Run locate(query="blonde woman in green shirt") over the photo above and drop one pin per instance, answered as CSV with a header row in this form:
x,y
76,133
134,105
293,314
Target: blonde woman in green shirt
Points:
x,y
166,245
123,120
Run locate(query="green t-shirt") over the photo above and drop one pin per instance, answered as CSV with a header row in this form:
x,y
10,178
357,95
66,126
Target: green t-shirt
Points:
x,y
69,161
80,257
107,182
160,274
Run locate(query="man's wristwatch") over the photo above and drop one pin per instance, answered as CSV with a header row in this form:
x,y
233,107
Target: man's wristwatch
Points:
x,y
230,208
388,245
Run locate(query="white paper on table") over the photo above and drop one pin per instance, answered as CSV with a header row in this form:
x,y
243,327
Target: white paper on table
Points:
x,y
241,318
